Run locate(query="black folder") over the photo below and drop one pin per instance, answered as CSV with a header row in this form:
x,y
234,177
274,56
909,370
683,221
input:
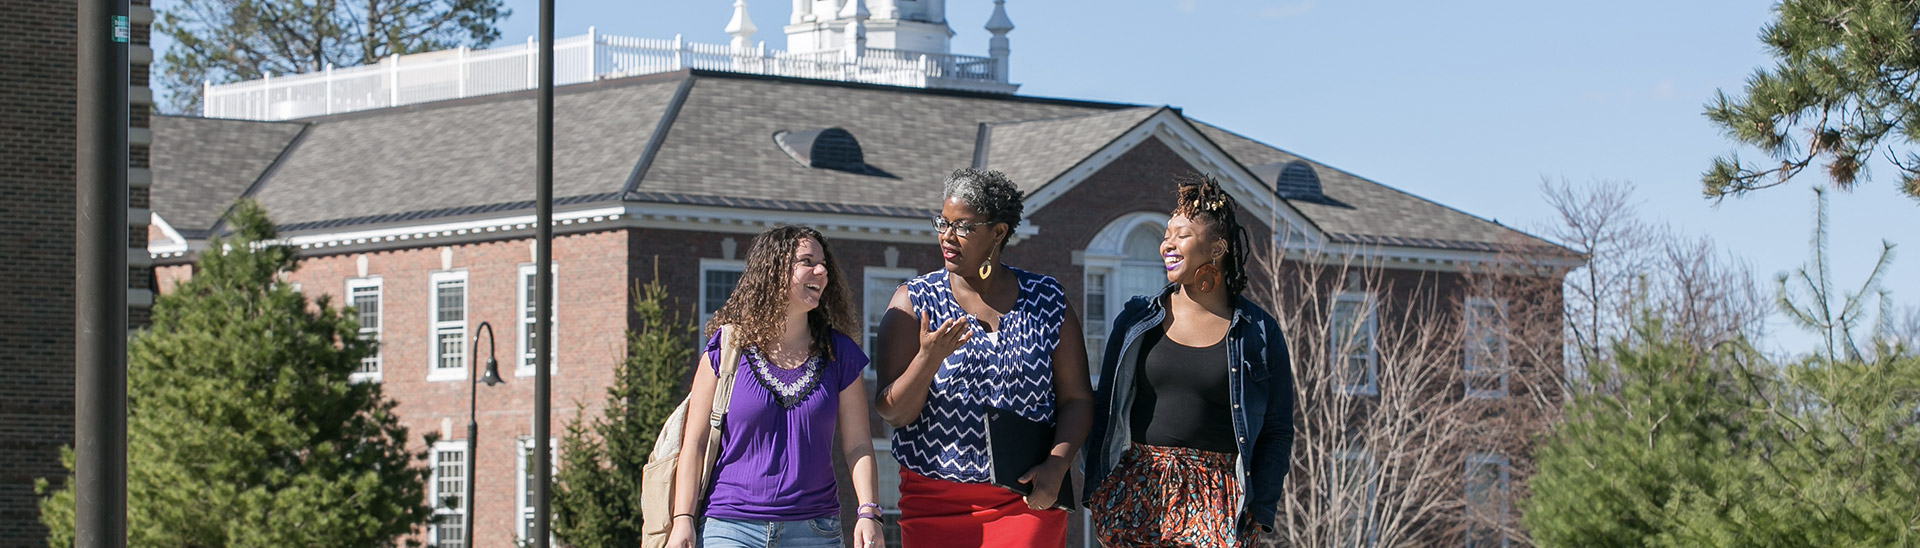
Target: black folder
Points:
x,y
1016,444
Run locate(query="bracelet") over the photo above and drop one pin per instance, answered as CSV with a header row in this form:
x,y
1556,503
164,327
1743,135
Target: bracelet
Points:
x,y
678,516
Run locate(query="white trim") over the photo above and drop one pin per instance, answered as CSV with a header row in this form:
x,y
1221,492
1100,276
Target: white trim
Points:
x,y
1467,365
375,282
1371,326
436,373
524,445
522,324
1502,489
1179,135
707,265
1371,472
1408,258
434,498
175,243
868,276
645,215
1106,256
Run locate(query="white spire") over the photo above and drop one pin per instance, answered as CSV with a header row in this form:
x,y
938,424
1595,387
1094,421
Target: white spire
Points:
x,y
741,27
998,47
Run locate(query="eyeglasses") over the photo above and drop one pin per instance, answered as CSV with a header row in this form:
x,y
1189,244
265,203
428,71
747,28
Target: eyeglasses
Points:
x,y
960,229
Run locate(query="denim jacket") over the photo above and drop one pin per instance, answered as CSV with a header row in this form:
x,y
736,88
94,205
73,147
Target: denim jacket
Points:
x,y
1259,375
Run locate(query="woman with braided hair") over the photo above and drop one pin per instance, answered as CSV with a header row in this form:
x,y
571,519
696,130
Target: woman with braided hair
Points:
x,y
1193,420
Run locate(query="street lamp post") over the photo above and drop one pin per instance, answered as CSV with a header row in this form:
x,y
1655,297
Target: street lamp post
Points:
x,y
492,377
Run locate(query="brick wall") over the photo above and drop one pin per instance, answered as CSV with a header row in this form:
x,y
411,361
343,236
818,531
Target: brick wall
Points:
x,y
37,98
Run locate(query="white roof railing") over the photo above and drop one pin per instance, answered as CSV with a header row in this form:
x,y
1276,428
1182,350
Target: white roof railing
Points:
x,y
452,74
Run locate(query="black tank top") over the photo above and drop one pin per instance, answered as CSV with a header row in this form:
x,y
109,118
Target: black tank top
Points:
x,y
1182,398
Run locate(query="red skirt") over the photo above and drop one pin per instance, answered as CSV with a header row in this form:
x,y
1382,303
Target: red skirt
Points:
x,y
1167,496
939,513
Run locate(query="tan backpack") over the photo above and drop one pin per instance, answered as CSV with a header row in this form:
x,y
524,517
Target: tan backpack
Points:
x,y
656,480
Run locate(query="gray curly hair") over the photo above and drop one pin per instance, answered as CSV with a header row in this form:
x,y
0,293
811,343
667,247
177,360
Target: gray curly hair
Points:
x,y
988,192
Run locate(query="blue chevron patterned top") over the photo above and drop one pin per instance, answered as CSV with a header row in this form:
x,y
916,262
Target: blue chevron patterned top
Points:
x,y
1012,370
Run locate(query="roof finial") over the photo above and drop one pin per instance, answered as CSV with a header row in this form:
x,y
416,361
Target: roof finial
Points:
x,y
998,47
741,27
999,24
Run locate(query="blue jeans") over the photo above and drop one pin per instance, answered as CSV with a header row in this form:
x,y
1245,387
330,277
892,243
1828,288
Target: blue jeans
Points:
x,y
748,533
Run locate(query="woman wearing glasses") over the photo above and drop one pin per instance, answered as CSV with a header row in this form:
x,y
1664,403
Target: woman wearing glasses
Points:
x,y
973,335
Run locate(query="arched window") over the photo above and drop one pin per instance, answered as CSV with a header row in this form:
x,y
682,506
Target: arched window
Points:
x,y
1122,261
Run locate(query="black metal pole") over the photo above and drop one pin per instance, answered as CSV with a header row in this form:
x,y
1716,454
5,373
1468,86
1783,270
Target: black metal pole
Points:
x,y
543,267
473,425
100,277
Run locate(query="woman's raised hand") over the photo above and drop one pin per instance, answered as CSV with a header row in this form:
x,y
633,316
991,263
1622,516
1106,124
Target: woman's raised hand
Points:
x,y
940,341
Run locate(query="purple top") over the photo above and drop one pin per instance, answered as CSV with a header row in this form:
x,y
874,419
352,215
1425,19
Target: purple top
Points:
x,y
776,462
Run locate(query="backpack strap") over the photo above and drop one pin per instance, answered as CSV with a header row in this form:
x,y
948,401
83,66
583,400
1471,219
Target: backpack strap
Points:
x,y
722,397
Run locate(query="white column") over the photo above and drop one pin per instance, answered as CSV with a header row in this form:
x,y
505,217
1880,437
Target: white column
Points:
x,y
393,80
329,78
800,10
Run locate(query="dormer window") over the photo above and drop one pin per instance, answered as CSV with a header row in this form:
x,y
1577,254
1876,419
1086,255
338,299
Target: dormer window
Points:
x,y
827,148
1298,181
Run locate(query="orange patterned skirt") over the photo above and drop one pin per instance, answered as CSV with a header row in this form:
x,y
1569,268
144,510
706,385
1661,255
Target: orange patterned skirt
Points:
x,y
1167,496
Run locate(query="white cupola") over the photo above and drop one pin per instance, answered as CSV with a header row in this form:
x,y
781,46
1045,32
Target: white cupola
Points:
x,y
833,25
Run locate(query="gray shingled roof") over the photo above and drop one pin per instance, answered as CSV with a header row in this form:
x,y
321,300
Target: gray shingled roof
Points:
x,y
475,156
1361,211
464,157
1032,153
201,165
722,142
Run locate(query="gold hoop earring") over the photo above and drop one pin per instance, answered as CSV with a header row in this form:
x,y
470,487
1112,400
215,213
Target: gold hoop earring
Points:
x,y
986,268
1209,277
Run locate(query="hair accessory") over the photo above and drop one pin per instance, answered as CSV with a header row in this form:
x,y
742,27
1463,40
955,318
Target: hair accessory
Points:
x,y
1216,203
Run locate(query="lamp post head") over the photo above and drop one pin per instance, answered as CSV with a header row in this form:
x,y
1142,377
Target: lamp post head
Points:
x,y
492,376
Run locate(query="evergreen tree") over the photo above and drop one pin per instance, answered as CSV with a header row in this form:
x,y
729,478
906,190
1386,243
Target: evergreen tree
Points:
x,y
243,428
226,41
1846,81
596,497
1613,472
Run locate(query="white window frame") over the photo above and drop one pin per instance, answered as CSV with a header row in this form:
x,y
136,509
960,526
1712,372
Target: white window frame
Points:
x,y
1471,352
710,265
1106,254
1096,328
435,373
436,498
525,322
380,293
1338,354
525,511
1501,490
872,277
1364,461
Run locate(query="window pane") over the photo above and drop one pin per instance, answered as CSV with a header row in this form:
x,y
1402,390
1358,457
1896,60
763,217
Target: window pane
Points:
x,y
366,300
879,294
453,348
1143,243
719,285
528,284
452,300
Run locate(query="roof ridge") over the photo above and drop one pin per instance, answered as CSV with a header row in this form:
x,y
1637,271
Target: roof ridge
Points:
x,y
659,137
1077,116
1320,164
261,179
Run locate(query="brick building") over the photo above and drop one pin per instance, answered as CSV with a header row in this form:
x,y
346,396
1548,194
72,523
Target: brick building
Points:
x,y
38,60
419,216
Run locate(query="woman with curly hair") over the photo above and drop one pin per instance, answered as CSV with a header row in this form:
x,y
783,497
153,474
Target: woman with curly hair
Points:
x,y
1195,422
973,335
798,381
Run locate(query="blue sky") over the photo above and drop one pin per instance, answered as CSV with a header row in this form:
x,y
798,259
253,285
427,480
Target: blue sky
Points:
x,y
1466,103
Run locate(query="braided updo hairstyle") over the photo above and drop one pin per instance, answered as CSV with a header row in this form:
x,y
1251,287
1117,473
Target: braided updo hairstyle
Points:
x,y
1201,199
